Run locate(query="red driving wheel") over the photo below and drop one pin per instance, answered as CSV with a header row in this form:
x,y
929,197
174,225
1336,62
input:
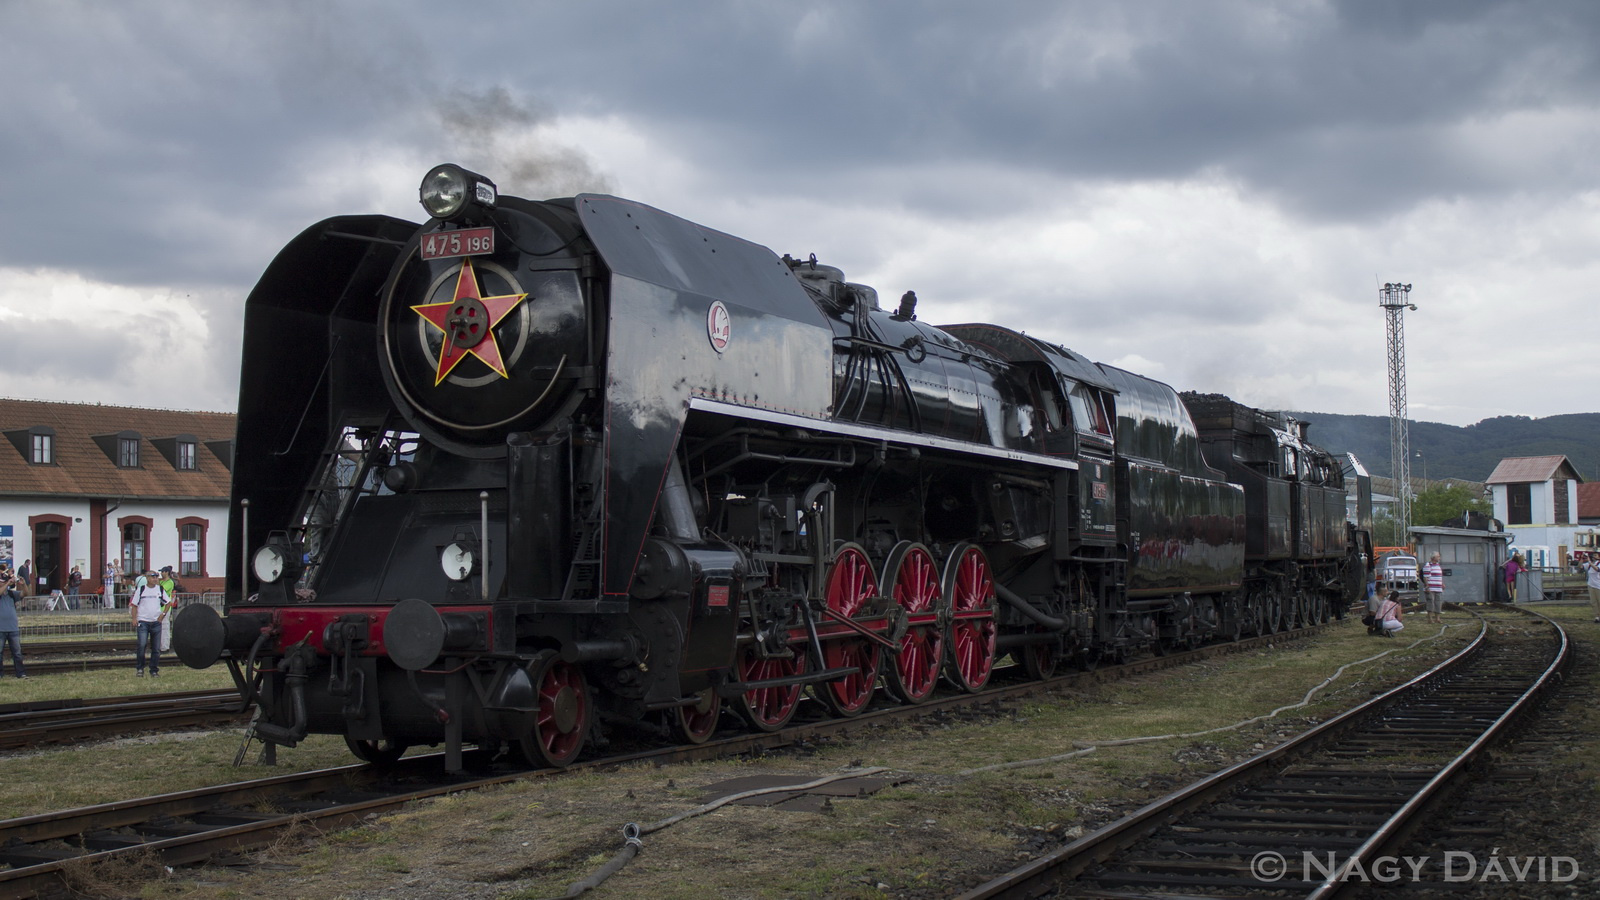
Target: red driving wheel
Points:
x,y
913,582
849,586
970,587
554,733
769,708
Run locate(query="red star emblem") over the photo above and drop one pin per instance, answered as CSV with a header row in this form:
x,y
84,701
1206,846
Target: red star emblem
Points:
x,y
468,323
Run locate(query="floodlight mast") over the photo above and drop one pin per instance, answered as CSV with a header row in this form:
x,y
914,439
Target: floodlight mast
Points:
x,y
1395,300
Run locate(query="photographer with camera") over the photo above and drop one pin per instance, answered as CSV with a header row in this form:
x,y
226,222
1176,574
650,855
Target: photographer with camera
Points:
x,y
10,628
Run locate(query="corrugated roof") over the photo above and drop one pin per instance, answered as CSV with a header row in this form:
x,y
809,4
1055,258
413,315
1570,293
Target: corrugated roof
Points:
x,y
83,469
1530,469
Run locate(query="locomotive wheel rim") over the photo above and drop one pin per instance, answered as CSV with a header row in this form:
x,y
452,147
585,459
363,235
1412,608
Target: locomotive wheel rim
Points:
x,y
1040,660
697,723
379,753
913,582
769,709
849,694
915,673
556,729
850,585
970,588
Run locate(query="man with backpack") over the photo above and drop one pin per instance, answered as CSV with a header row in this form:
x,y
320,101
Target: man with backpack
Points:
x,y
149,604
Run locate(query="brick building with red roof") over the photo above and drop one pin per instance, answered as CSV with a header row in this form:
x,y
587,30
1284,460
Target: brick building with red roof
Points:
x,y
84,484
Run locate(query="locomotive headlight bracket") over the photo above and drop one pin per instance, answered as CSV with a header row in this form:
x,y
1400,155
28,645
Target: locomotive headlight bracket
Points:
x,y
459,558
454,194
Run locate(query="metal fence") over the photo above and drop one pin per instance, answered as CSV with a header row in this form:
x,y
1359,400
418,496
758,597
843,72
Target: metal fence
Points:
x,y
41,618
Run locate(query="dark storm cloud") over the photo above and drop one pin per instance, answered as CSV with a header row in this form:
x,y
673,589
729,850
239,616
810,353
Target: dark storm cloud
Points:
x,y
1336,109
154,136
148,123
187,141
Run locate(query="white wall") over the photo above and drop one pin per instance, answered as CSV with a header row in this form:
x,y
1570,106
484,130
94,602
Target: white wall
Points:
x,y
163,539
16,512
162,546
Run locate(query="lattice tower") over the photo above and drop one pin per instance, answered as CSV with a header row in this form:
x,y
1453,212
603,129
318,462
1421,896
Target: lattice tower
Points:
x,y
1395,300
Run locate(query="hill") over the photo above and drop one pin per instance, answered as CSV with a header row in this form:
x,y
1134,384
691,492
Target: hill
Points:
x,y
1451,451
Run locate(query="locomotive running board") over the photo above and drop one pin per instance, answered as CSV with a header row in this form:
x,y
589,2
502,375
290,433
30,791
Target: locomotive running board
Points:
x,y
867,432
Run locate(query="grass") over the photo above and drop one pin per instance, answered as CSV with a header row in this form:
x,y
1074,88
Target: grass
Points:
x,y
120,682
57,778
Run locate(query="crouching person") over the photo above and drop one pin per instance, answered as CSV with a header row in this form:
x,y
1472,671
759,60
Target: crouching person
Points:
x,y
1391,613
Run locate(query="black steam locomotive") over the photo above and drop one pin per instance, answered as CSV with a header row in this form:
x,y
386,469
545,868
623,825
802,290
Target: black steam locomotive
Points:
x,y
531,468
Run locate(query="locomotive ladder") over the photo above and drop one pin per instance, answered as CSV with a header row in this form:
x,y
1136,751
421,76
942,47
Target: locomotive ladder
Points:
x,y
331,495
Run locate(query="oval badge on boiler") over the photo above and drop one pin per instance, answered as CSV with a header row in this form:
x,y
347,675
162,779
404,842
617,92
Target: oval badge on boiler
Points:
x,y
719,326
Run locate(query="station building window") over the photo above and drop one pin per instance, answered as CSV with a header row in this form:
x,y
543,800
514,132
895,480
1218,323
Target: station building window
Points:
x,y
192,547
135,547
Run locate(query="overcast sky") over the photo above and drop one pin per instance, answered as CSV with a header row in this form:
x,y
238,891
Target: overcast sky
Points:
x,y
1208,193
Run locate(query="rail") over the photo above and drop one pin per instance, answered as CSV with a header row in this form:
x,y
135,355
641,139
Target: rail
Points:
x,y
1188,844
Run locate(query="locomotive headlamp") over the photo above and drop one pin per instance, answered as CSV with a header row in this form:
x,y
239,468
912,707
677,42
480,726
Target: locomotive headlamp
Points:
x,y
448,191
269,563
275,559
459,559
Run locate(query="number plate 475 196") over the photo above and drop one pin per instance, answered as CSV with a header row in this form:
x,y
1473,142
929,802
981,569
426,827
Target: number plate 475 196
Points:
x,y
463,242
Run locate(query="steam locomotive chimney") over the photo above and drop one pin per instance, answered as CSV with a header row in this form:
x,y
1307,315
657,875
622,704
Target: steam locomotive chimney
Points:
x,y
908,306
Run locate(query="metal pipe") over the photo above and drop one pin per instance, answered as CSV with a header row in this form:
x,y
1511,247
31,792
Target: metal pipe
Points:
x,y
296,732
593,651
483,519
1022,639
1028,609
244,550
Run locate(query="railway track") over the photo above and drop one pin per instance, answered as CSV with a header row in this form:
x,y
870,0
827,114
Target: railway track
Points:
x,y
1316,814
193,826
88,664
32,724
89,645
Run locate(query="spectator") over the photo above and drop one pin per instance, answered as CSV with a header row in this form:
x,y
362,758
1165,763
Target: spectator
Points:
x,y
74,581
10,628
168,583
25,578
1514,565
1390,613
110,578
1591,569
1433,589
149,606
